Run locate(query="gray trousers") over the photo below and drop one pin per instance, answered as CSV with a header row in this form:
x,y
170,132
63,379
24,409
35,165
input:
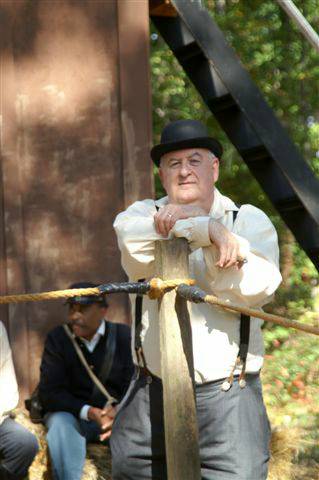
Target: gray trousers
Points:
x,y
234,432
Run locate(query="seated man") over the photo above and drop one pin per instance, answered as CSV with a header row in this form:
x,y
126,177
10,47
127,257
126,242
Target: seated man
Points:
x,y
18,446
75,412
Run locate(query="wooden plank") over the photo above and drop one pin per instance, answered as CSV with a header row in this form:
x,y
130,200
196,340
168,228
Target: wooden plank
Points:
x,y
5,41
136,118
181,432
13,278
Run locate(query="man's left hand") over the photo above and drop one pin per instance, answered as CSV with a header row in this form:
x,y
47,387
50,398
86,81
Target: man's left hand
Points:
x,y
226,244
168,215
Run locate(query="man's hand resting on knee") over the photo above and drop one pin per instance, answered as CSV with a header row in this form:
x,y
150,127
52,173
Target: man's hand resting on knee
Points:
x,y
103,417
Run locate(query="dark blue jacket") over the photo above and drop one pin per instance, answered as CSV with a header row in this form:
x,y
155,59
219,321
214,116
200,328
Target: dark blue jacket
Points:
x,y
65,384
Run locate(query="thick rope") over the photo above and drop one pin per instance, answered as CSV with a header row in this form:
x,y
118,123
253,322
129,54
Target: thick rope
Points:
x,y
155,288
196,295
269,317
54,295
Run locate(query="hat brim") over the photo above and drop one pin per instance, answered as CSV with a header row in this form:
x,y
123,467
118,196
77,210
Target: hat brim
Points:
x,y
202,142
86,300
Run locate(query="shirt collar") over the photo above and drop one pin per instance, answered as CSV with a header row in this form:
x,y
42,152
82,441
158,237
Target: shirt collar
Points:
x,y
99,333
101,329
220,206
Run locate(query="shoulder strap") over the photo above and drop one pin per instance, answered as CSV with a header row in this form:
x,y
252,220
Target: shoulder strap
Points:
x,y
110,346
110,400
236,212
138,318
138,330
244,337
244,322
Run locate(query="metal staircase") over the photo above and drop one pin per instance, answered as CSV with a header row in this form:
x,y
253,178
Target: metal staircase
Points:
x,y
238,105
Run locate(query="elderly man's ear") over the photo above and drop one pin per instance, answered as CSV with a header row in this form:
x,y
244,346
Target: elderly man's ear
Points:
x,y
215,166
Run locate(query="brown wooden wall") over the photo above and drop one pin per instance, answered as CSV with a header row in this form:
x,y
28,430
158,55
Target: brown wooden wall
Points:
x,y
75,137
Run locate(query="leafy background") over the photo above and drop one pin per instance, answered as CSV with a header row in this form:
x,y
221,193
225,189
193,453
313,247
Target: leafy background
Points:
x,y
285,67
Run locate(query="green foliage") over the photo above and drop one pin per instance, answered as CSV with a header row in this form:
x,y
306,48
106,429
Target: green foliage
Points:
x,y
290,381
292,369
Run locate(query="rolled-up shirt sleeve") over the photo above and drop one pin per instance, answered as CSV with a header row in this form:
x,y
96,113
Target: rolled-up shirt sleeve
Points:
x,y
136,235
196,231
252,285
256,281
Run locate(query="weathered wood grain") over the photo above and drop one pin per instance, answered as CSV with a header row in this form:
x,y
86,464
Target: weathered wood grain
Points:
x,y
181,432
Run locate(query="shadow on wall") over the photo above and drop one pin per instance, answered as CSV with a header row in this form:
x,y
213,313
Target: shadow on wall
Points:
x,y
61,159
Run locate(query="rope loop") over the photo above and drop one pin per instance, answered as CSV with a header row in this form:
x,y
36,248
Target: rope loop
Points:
x,y
159,286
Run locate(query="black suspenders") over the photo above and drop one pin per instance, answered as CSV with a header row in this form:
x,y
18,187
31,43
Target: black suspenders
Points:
x,y
138,330
244,332
243,336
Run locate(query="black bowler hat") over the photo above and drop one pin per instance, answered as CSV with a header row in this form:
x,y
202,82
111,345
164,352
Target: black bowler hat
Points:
x,y
185,134
86,299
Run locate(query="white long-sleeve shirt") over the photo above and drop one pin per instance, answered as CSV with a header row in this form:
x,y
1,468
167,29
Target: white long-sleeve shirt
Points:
x,y
9,395
215,331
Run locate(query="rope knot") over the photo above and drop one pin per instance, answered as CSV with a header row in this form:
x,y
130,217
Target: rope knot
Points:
x,y
159,286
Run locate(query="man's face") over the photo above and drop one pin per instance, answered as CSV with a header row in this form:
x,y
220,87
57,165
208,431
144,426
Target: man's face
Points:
x,y
189,175
85,319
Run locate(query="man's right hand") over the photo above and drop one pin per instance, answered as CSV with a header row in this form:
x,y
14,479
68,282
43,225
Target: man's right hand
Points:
x,y
104,418
167,216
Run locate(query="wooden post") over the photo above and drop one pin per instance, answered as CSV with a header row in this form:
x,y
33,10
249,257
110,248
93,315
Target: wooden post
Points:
x,y
181,431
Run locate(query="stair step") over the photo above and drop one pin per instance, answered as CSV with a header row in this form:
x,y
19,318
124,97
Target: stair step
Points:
x,y
290,204
221,103
186,52
255,154
174,31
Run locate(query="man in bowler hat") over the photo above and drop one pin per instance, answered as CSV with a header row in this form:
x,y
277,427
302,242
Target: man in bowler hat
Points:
x,y
75,411
233,255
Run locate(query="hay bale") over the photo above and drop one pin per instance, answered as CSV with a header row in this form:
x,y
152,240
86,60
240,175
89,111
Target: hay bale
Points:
x,y
40,468
97,464
284,445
